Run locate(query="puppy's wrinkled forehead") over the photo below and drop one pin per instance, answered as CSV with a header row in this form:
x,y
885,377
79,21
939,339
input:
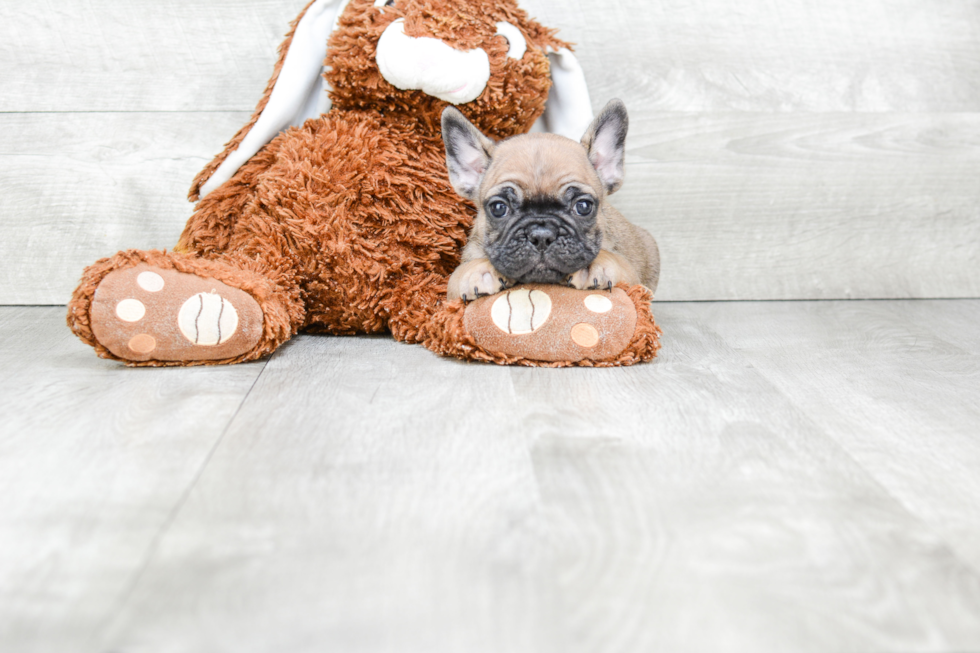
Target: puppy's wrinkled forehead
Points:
x,y
541,165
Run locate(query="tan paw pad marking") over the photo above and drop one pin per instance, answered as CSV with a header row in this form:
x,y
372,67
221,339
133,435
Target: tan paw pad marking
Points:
x,y
521,311
598,303
130,310
150,281
207,319
585,335
144,343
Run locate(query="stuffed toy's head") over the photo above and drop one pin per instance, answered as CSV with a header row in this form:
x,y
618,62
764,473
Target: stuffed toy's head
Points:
x,y
408,60
415,57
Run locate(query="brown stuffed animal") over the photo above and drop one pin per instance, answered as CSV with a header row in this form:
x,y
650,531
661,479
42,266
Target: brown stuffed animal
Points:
x,y
341,218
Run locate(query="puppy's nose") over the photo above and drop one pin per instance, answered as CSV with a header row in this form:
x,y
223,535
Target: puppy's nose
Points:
x,y
541,236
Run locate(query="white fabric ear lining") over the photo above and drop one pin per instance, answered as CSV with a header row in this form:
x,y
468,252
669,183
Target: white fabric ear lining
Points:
x,y
516,43
300,92
569,109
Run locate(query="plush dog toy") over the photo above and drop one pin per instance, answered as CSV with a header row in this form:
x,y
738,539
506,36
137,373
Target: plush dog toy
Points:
x,y
331,210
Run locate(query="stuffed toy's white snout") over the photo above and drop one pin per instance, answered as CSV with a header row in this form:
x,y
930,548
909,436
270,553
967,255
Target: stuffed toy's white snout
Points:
x,y
436,68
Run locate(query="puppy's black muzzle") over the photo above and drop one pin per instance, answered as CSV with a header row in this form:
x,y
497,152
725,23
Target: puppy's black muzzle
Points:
x,y
542,249
542,236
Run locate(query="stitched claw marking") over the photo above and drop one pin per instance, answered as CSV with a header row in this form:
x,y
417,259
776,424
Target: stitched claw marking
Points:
x,y
609,286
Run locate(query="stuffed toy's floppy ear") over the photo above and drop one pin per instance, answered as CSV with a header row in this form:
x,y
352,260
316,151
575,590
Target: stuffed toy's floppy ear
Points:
x,y
298,92
569,110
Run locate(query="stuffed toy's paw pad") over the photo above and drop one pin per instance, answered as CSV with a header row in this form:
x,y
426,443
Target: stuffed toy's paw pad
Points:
x,y
147,313
553,323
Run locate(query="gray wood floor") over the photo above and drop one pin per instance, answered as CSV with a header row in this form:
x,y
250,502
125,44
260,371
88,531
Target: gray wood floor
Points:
x,y
788,476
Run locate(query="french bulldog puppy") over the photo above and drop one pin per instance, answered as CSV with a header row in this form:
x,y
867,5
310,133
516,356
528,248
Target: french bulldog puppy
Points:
x,y
542,211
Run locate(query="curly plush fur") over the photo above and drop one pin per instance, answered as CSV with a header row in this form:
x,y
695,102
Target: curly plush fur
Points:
x,y
348,224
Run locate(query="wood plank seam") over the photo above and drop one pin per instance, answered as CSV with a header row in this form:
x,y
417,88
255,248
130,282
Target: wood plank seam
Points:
x,y
124,596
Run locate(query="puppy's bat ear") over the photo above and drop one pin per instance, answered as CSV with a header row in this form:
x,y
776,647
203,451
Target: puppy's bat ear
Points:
x,y
605,141
296,92
468,153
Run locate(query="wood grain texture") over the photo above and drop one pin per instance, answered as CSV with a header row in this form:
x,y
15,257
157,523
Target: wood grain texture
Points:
x,y
125,55
744,206
668,55
94,460
363,500
797,55
79,186
908,411
815,206
786,477
371,497
824,150
692,507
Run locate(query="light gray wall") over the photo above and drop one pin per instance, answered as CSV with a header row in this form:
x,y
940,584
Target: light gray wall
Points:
x,y
798,149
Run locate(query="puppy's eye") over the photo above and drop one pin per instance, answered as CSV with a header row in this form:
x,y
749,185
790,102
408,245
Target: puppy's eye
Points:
x,y
584,207
498,209
384,3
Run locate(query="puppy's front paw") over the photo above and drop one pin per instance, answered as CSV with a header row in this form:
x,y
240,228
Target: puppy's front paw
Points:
x,y
604,273
475,279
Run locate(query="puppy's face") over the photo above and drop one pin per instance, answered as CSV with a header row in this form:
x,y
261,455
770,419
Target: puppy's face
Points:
x,y
540,205
539,196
